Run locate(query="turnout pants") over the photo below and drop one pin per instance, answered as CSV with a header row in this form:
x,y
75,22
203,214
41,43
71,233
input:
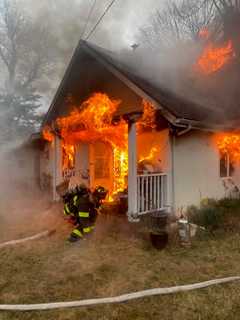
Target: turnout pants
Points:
x,y
85,224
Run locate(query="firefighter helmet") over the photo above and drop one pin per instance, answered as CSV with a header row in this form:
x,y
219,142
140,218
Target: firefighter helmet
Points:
x,y
100,193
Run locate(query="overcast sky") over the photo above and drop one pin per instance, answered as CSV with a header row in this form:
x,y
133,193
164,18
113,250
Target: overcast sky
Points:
x,y
67,18
124,20
117,29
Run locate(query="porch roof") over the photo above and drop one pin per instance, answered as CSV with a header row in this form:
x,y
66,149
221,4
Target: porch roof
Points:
x,y
176,109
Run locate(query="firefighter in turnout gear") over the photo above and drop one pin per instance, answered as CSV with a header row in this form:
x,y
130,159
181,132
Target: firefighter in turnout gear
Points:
x,y
81,206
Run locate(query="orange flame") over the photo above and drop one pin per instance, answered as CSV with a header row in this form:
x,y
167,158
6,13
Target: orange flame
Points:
x,y
92,122
47,134
230,144
148,117
153,152
68,159
214,58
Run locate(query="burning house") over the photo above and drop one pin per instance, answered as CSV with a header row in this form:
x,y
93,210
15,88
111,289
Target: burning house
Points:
x,y
106,126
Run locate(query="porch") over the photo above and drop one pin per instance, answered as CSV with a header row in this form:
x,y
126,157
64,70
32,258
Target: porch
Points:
x,y
148,190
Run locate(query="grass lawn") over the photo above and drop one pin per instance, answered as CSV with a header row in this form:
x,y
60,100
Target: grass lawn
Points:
x,y
117,260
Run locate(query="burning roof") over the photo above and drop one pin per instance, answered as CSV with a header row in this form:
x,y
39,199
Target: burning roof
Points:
x,y
199,99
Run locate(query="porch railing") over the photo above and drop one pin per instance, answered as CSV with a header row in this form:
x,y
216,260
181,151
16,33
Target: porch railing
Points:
x,y
151,192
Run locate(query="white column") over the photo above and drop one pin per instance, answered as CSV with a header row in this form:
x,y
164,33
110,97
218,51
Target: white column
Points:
x,y
132,171
57,166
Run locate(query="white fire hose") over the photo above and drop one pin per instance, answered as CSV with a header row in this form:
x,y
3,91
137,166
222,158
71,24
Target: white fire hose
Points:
x,y
35,237
117,299
109,300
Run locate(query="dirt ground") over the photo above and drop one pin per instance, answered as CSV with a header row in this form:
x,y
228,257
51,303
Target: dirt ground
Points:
x,y
118,259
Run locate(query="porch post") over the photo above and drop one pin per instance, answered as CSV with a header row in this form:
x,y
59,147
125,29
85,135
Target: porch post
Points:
x,y
132,171
57,166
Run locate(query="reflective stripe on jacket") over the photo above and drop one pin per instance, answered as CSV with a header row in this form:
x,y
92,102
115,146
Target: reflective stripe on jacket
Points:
x,y
83,214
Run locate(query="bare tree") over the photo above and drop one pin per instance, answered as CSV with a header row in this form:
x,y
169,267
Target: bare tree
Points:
x,y
177,22
185,19
25,56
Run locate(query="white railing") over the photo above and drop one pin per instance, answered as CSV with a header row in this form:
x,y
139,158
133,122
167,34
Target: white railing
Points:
x,y
151,192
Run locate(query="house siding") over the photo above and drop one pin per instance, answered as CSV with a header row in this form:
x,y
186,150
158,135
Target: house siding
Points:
x,y
46,167
197,170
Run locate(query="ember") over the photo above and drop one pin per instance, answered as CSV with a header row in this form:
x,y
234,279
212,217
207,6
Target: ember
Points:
x,y
214,58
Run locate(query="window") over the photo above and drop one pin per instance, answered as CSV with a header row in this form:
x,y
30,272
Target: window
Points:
x,y
226,166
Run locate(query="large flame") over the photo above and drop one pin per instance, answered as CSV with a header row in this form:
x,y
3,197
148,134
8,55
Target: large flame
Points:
x,y
213,58
92,122
229,143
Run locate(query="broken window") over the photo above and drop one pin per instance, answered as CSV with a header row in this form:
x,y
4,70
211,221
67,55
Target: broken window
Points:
x,y
226,165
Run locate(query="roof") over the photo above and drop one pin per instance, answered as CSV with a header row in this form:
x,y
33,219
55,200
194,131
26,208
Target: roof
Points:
x,y
174,107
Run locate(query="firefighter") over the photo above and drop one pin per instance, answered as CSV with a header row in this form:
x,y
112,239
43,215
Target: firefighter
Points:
x,y
82,205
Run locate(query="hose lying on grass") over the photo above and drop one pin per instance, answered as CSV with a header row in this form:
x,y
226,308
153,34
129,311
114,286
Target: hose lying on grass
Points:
x,y
35,237
118,299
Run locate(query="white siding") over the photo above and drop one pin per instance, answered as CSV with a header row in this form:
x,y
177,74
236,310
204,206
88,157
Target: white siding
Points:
x,y
46,166
197,170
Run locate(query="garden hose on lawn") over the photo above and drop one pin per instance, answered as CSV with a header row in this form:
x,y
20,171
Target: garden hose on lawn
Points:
x,y
117,299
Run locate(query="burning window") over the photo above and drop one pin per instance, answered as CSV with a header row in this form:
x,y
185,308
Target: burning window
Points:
x,y
229,148
226,165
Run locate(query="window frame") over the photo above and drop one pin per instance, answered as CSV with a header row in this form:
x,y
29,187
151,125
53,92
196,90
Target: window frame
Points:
x,y
229,163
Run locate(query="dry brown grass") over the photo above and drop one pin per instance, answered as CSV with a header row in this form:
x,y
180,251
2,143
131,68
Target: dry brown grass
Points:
x,y
117,260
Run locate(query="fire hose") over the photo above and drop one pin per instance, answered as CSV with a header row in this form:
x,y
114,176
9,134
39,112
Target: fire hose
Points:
x,y
117,299
35,237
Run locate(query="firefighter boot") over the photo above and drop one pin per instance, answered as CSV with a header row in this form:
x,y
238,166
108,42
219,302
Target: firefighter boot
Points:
x,y
73,239
75,236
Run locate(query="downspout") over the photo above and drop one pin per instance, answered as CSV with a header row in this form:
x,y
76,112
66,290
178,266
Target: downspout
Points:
x,y
173,141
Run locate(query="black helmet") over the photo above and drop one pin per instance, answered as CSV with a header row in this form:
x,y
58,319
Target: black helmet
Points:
x,y
100,193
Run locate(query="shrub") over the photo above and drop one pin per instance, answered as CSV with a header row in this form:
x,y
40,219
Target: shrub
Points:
x,y
209,215
208,202
214,214
227,203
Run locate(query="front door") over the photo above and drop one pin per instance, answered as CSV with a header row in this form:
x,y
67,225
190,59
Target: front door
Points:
x,y
101,165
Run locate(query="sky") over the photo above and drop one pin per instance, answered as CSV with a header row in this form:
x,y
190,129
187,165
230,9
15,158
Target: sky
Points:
x,y
119,26
124,21
66,20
